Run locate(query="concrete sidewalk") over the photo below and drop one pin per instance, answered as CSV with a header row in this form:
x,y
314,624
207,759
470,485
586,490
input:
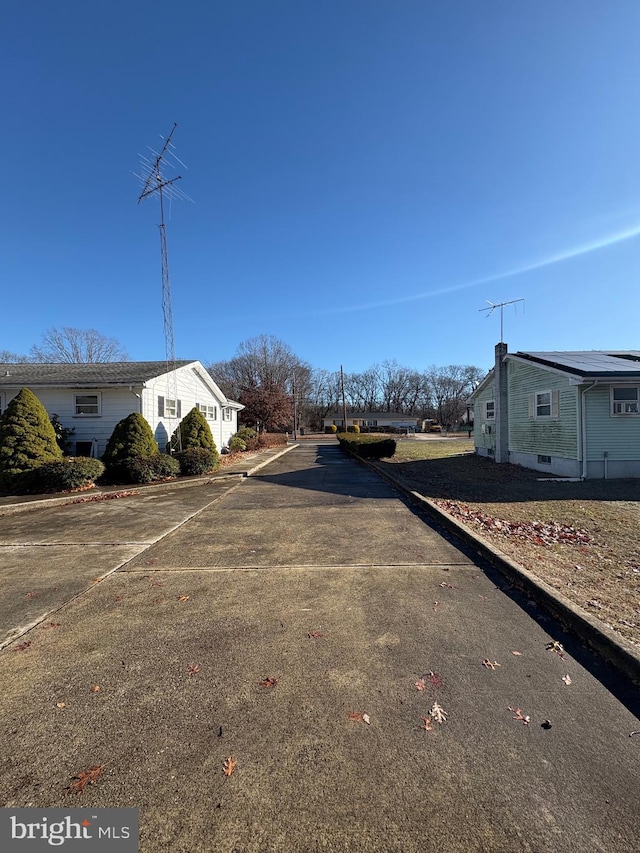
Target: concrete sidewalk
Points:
x,y
314,577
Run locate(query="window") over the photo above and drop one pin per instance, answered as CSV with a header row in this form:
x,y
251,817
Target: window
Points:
x,y
1,403
210,412
371,423
226,414
544,404
543,459
624,401
87,405
489,410
169,408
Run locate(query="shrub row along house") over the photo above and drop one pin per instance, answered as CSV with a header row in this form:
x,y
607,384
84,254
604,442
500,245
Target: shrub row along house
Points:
x,y
91,399
569,414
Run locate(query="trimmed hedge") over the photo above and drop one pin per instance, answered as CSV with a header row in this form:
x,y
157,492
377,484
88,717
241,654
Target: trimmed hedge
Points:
x,y
237,445
197,460
332,429
132,438
145,469
62,475
367,446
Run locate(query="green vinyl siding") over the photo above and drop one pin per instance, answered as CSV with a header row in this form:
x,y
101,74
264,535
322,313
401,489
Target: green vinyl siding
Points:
x,y
618,436
553,436
488,438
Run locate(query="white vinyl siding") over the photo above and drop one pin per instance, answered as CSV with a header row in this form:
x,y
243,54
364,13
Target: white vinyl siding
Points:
x,y
545,404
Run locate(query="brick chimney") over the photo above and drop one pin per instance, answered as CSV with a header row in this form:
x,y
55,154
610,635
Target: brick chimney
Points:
x,y
501,405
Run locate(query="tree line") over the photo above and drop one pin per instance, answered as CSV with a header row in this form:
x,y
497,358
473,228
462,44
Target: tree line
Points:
x,y
274,384
271,382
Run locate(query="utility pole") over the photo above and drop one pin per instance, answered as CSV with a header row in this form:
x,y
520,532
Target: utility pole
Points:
x,y
154,182
344,401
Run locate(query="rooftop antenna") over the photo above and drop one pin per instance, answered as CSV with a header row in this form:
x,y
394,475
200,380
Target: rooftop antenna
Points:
x,y
155,178
492,307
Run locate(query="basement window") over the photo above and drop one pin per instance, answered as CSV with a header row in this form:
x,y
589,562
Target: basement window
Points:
x,y
624,401
544,460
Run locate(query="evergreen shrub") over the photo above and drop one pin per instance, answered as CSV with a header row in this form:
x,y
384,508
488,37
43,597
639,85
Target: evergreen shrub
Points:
x,y
27,438
197,460
148,469
331,429
236,444
193,431
65,475
132,439
368,446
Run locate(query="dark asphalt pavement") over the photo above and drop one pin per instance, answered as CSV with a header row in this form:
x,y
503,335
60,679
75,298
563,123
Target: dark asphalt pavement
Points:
x,y
313,576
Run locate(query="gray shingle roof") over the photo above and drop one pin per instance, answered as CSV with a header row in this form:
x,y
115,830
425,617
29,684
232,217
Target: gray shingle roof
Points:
x,y
590,363
94,375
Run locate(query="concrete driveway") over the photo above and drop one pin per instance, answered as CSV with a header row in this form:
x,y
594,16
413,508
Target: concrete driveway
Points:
x,y
265,628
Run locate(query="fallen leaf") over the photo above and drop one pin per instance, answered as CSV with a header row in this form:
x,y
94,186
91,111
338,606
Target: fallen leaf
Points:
x,y
517,654
438,713
315,635
355,716
118,598
157,583
193,668
269,681
183,598
434,678
229,766
566,679
52,625
420,684
84,778
435,606
519,716
61,705
32,595
484,598
490,664
427,724
593,602
21,647
367,719
556,647
95,688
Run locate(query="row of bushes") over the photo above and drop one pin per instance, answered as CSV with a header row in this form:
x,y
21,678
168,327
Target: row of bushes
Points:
x,y
367,446
31,459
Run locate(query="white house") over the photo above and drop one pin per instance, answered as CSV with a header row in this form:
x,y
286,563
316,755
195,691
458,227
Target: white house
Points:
x,y
92,398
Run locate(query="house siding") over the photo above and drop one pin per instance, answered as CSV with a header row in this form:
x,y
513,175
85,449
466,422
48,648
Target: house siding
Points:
x,y
191,390
484,440
556,437
617,436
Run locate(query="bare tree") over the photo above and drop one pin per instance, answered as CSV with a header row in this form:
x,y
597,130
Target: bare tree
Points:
x,y
450,388
261,376
7,357
75,346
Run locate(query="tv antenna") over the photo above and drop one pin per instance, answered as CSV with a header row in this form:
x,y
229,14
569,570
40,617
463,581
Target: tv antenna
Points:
x,y
154,175
492,307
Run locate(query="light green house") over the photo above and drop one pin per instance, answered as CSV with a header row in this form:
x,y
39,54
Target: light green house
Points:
x,y
568,414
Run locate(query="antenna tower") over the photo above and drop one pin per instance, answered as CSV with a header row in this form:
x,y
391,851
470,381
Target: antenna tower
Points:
x,y
492,307
154,178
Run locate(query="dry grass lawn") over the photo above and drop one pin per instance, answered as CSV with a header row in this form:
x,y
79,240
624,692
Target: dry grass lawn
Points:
x,y
587,541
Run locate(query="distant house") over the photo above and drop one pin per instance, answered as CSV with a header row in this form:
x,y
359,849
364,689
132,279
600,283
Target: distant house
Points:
x,y
569,414
92,398
372,420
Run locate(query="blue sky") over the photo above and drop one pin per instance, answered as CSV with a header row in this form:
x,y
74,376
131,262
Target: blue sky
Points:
x,y
366,174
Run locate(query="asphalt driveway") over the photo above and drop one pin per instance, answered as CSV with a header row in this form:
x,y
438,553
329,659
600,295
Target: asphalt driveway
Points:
x,y
305,622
